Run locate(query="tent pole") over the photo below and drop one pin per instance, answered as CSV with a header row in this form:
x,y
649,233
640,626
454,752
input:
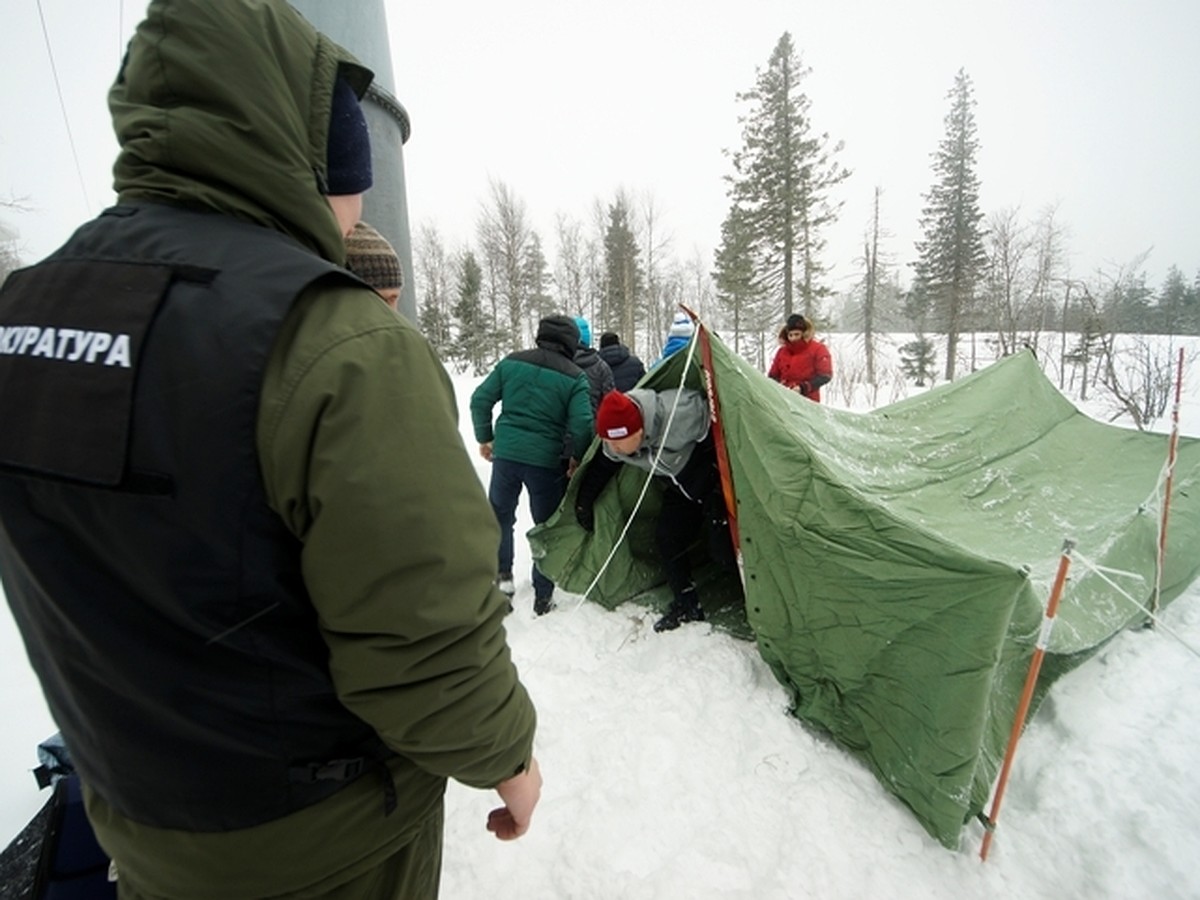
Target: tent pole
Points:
x,y
1172,451
710,383
1035,665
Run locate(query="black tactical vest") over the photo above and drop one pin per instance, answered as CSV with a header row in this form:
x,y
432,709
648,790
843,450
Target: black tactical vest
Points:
x,y
159,597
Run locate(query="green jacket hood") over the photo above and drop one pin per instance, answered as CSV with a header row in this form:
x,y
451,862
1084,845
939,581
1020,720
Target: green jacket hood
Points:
x,y
224,105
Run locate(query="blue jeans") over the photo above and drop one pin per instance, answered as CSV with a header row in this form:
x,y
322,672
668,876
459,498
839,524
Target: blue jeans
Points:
x,y
546,489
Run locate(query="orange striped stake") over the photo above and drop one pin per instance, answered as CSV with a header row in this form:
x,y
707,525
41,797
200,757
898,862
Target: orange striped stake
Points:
x,y
1035,666
1172,450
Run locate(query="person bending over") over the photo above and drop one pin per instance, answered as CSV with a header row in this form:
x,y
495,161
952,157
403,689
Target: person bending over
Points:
x,y
667,434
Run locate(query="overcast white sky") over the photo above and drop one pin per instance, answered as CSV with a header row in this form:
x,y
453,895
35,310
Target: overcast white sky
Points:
x,y
1090,105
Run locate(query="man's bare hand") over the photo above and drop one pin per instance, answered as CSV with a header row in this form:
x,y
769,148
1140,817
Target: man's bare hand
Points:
x,y
485,450
520,795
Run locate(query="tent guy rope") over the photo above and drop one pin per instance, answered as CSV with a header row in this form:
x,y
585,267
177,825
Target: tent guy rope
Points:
x,y
1100,572
62,105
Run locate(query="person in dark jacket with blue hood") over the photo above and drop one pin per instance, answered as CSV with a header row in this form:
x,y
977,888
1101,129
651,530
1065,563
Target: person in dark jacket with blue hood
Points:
x,y
542,395
599,375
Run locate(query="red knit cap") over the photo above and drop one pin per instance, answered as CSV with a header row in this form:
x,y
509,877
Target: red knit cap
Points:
x,y
617,417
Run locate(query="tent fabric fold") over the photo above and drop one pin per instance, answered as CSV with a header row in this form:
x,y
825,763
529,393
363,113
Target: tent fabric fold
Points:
x,y
897,563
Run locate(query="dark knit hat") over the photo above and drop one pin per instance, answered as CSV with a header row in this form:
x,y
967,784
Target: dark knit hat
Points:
x,y
559,333
797,322
609,339
371,258
348,146
618,417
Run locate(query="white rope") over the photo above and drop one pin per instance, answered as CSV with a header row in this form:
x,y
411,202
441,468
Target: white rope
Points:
x,y
691,352
1100,573
87,202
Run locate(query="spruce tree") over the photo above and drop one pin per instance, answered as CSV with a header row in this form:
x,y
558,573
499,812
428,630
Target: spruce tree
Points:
x,y
1178,305
435,325
475,345
951,258
918,359
536,278
784,175
1088,350
1127,304
738,292
1192,305
624,273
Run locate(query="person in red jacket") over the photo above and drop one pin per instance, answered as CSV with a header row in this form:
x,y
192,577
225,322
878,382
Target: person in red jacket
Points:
x,y
801,364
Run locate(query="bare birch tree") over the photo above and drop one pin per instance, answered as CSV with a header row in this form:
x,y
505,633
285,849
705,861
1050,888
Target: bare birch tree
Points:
x,y
570,272
1012,281
505,236
660,303
435,274
872,278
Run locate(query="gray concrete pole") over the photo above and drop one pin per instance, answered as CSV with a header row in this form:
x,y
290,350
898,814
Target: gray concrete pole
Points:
x,y
361,27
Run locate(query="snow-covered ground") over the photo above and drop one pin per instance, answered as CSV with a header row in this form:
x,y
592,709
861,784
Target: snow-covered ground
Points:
x,y
672,770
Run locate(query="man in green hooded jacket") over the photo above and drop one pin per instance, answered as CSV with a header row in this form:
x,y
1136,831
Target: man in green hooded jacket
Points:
x,y
247,551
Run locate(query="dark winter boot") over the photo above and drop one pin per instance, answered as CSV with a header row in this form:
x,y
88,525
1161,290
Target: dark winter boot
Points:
x,y
504,581
542,605
684,608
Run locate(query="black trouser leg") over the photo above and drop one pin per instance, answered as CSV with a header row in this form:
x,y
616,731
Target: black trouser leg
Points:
x,y
679,524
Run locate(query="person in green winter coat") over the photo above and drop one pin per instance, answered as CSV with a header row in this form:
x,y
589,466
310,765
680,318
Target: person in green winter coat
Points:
x,y
542,395
246,547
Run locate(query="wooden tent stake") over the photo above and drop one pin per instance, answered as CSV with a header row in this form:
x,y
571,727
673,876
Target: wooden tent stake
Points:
x,y
1035,665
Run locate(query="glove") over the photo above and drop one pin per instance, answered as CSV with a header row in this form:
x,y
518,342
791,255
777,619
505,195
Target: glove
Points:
x,y
585,515
804,388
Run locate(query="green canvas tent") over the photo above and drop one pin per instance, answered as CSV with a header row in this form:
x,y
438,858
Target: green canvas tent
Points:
x,y
897,564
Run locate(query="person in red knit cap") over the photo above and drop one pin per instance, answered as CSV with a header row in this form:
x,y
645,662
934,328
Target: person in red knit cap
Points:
x,y
635,431
801,363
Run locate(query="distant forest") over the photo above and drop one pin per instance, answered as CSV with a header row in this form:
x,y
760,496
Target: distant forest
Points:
x,y
998,272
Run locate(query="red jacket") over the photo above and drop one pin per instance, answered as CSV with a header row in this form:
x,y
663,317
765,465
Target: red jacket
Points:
x,y
798,363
